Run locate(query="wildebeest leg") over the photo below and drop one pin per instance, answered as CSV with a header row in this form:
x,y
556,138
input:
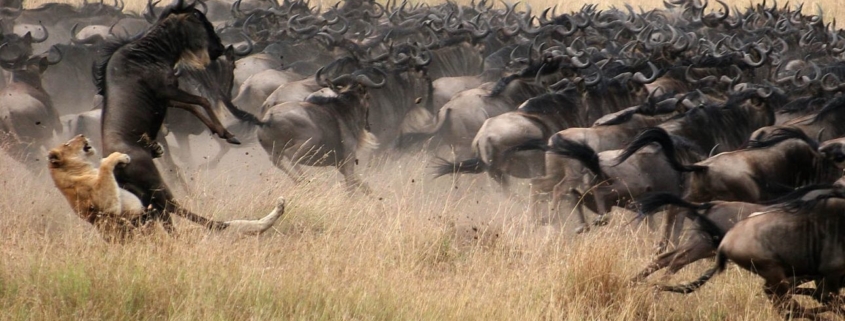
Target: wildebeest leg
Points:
x,y
347,168
501,179
185,153
170,165
540,190
292,172
670,223
660,262
577,199
142,178
187,101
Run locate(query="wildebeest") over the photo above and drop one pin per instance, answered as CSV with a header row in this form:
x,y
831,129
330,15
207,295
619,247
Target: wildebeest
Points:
x,y
697,245
327,129
765,170
577,105
138,81
28,119
797,242
824,125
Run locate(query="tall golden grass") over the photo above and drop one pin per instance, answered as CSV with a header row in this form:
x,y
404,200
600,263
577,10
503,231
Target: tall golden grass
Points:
x,y
417,249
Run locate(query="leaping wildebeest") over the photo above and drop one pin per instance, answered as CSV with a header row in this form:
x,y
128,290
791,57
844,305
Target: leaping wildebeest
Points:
x,y
138,81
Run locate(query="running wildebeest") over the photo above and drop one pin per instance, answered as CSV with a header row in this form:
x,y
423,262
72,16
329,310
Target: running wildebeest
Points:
x,y
139,81
811,250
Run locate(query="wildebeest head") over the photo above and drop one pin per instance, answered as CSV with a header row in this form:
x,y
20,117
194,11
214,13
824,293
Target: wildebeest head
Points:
x,y
834,150
201,43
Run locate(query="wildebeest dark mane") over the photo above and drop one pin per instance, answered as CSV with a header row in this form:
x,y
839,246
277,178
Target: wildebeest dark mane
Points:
x,y
795,194
99,67
801,206
531,71
833,105
802,105
780,135
733,123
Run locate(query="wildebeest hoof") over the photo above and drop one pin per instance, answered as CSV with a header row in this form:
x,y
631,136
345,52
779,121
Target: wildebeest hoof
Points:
x,y
233,140
601,220
156,150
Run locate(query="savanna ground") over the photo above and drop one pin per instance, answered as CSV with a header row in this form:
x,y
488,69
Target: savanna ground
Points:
x,y
417,249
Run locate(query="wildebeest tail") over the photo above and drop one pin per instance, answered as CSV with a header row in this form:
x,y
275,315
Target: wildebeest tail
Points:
x,y
721,262
469,166
650,203
661,137
241,114
577,151
502,84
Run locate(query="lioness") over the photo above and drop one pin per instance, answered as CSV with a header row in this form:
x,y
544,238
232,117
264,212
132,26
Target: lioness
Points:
x,y
93,192
116,213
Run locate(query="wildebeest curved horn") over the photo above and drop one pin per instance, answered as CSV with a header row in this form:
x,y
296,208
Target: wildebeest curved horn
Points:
x,y
640,78
120,6
249,46
689,78
342,30
765,92
366,81
150,16
303,30
380,13
247,22
577,63
235,9
750,62
623,77
423,59
560,84
319,79
202,4
58,53
836,82
539,72
712,150
44,37
725,14
571,31
590,83
21,56
87,40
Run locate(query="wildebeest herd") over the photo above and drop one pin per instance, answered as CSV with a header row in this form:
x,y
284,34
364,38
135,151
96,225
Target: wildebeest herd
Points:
x,y
727,116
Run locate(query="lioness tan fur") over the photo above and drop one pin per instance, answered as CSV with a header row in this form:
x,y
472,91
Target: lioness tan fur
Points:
x,y
93,192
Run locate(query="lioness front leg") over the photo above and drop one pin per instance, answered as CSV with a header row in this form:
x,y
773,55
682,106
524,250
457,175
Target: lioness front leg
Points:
x,y
107,193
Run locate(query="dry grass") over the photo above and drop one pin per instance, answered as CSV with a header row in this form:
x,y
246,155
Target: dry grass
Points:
x,y
419,249
416,250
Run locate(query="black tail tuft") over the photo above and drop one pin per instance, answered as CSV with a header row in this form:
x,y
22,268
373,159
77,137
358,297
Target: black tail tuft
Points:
x,y
575,150
661,137
721,262
652,202
469,166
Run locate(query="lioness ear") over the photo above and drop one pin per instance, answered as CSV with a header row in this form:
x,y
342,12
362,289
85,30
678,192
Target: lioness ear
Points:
x,y
54,158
